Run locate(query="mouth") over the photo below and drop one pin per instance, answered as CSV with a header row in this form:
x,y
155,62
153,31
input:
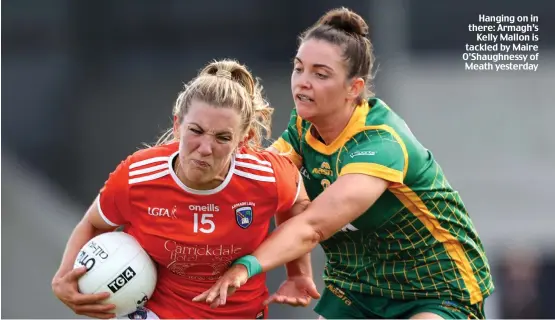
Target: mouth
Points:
x,y
200,163
303,98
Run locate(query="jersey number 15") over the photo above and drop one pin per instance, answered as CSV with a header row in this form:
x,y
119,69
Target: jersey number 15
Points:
x,y
207,225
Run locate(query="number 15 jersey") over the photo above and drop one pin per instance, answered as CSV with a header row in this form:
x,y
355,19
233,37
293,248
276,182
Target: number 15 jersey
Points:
x,y
195,235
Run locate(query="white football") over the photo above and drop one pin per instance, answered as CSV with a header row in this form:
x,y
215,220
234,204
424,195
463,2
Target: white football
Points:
x,y
117,264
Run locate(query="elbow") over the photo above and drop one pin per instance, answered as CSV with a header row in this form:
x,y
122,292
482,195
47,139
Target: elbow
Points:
x,y
85,225
319,231
313,237
303,230
306,234
321,234
318,236
315,234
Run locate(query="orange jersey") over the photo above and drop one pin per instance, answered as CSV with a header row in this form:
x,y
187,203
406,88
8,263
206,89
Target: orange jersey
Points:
x,y
195,235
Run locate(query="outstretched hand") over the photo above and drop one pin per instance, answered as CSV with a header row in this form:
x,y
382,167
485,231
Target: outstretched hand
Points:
x,y
232,280
295,291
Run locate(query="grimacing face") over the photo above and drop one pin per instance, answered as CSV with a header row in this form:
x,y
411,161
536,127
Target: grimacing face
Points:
x,y
319,80
208,137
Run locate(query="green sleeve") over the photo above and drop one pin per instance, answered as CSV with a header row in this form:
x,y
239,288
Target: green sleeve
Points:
x,y
377,152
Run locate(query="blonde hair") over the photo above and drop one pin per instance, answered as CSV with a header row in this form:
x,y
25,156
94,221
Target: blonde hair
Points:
x,y
227,84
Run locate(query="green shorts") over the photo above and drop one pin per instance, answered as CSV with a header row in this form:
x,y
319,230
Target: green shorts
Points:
x,y
337,303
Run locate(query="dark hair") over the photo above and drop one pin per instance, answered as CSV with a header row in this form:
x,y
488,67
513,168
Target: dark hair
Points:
x,y
347,29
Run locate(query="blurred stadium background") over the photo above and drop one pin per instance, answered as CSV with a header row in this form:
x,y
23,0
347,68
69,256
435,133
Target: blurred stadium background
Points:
x,y
86,82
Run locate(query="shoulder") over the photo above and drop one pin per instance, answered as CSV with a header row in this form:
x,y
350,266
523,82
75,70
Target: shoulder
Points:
x,y
276,160
262,165
378,126
382,119
382,143
150,163
153,154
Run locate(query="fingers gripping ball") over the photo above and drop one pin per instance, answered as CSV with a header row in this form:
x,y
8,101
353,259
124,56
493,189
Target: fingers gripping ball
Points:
x,y
117,264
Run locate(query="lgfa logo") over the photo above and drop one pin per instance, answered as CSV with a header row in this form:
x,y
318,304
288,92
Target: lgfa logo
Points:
x,y
163,212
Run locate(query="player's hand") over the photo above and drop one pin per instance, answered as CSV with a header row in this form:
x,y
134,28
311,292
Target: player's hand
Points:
x,y
295,291
66,289
233,279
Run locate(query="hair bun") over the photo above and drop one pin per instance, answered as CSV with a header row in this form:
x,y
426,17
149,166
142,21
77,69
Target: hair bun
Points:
x,y
345,20
231,70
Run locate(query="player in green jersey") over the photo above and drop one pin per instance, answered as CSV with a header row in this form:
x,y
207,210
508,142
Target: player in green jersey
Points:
x,y
398,239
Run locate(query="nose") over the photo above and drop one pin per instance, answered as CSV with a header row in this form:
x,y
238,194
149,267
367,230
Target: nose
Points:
x,y
305,81
301,80
205,147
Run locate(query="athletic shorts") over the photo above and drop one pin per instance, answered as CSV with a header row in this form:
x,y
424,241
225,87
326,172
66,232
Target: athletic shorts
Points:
x,y
141,313
338,303
145,313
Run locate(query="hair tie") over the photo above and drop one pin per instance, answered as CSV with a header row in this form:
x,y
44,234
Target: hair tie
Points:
x,y
224,74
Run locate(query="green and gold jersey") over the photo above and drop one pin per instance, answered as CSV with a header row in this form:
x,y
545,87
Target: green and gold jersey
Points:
x,y
417,240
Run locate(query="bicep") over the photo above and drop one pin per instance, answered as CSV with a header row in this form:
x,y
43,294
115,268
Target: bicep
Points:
x,y
96,218
301,203
112,203
343,201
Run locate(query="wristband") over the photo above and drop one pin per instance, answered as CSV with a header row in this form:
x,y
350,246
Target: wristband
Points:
x,y
251,263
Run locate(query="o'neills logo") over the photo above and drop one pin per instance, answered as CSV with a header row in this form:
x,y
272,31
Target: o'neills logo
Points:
x,y
204,208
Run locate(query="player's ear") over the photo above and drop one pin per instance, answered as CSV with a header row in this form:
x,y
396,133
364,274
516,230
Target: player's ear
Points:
x,y
356,87
245,140
176,127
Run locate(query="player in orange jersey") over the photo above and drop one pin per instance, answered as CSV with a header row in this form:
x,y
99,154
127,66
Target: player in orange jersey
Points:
x,y
202,197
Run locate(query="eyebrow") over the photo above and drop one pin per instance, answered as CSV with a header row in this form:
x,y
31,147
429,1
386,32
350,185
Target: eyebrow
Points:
x,y
225,131
316,65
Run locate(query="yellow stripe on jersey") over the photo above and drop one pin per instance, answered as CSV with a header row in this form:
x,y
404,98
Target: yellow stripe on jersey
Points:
x,y
356,124
453,247
375,170
299,125
287,150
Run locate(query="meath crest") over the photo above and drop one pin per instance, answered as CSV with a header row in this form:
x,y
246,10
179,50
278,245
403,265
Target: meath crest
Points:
x,y
243,216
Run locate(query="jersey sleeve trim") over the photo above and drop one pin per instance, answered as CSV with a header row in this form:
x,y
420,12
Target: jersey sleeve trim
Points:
x,y
102,213
287,150
375,170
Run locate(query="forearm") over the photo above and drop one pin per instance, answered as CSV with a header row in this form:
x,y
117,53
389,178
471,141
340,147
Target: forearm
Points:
x,y
340,204
302,265
293,239
83,232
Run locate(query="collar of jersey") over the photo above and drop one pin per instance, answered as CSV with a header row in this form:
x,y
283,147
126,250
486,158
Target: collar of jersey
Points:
x,y
355,125
201,192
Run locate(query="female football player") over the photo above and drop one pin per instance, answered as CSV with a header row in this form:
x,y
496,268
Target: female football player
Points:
x,y
398,239
198,200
